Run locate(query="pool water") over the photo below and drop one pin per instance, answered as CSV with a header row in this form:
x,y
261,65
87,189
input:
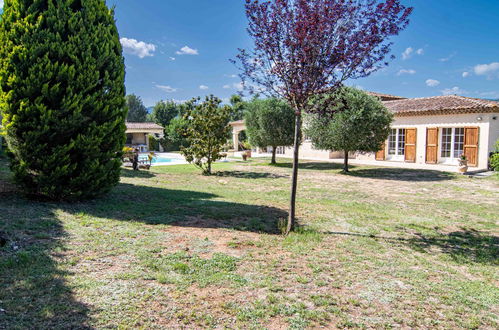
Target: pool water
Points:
x,y
158,159
162,160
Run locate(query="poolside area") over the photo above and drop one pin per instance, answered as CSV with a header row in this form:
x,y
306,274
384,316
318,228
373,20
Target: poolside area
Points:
x,y
165,158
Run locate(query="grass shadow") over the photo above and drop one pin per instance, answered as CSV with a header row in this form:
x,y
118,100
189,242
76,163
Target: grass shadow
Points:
x,y
183,208
464,246
34,294
384,173
249,175
143,174
318,166
401,174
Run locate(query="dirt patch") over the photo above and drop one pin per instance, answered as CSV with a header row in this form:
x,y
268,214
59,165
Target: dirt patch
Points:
x,y
192,236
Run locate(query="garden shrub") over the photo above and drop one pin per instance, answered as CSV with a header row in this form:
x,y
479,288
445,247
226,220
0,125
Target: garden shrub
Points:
x,y
494,158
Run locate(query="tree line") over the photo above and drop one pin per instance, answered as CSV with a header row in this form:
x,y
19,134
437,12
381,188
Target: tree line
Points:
x,y
350,121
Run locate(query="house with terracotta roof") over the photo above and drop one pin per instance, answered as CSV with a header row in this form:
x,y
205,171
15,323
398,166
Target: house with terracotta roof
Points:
x,y
429,132
137,135
438,130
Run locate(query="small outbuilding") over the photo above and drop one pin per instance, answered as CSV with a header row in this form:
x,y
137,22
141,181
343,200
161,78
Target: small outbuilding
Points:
x,y
137,135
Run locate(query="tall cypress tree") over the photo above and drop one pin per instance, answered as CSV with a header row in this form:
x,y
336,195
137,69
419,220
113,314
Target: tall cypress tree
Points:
x,y
62,96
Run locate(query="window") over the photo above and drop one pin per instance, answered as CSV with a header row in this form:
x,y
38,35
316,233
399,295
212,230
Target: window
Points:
x,y
396,142
458,142
446,142
280,150
392,142
452,142
401,142
129,138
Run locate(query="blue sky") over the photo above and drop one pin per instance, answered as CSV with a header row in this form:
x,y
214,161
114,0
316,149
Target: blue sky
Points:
x,y
177,49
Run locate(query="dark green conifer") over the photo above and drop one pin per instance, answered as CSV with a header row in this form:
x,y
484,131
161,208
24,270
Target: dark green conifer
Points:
x,y
62,96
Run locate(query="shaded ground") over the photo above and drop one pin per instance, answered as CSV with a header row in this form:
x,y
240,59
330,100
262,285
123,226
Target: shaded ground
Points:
x,y
378,248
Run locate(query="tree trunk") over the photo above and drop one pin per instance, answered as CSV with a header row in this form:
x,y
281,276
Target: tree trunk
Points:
x,y
273,155
208,170
294,180
345,163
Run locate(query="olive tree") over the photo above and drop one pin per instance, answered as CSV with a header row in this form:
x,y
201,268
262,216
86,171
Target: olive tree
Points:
x,y
359,122
270,122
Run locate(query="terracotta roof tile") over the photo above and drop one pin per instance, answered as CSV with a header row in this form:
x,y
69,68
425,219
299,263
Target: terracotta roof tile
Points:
x,y
130,125
449,104
386,97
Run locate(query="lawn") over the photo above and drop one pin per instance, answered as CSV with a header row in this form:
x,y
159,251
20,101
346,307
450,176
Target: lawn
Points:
x,y
169,248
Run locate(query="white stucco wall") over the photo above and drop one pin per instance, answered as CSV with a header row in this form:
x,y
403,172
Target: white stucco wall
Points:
x,y
139,138
307,151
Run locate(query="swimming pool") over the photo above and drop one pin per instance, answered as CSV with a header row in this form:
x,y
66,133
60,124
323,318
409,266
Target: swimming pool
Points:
x,y
160,159
164,159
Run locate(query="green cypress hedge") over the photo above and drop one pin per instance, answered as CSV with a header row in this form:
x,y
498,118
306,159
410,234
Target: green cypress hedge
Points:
x,y
62,96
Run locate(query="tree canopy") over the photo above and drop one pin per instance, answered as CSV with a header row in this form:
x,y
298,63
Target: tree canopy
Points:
x,y
164,111
62,96
269,122
238,106
359,122
207,131
137,112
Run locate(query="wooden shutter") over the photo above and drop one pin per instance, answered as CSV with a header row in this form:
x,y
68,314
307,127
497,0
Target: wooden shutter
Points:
x,y
380,155
471,145
410,145
431,145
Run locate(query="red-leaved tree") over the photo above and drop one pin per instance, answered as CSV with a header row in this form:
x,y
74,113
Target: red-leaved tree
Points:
x,y
305,48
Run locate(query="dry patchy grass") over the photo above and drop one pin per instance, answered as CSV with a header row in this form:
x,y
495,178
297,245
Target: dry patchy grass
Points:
x,y
170,248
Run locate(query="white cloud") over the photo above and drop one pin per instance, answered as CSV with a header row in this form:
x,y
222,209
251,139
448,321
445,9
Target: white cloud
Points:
x,y
138,48
453,90
237,86
492,95
172,58
203,87
186,50
487,69
167,89
432,83
448,58
407,53
404,71
466,74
